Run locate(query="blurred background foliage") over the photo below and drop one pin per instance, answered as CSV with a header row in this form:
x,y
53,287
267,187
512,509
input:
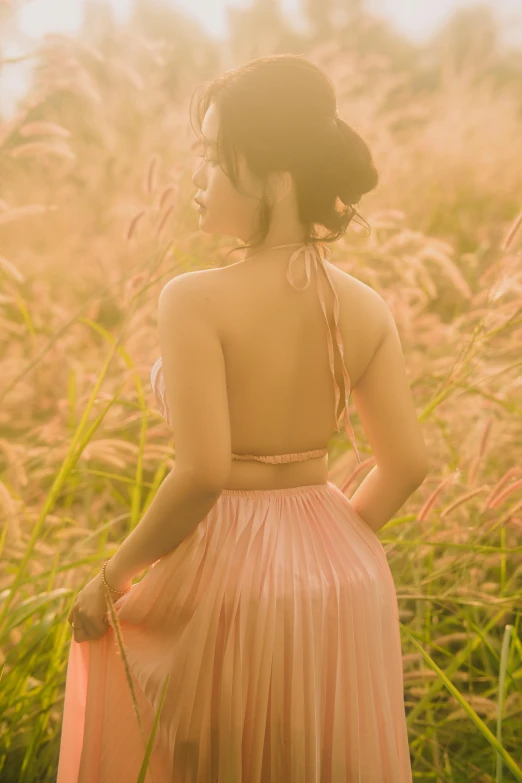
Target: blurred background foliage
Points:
x,y
96,215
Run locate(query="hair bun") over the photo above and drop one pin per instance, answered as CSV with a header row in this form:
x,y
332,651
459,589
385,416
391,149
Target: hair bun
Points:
x,y
280,113
357,172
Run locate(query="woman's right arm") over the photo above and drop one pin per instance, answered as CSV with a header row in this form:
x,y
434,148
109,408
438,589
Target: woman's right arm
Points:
x,y
384,402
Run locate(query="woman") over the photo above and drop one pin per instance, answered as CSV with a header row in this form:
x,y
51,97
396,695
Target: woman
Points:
x,y
270,615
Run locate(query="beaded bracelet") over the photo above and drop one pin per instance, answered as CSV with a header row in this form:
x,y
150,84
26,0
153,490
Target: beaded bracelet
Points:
x,y
119,592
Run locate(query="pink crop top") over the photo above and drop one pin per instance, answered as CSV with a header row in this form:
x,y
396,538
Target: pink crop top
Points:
x,y
314,253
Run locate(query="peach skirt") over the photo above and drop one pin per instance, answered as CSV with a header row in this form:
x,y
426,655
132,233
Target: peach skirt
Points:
x,y
276,621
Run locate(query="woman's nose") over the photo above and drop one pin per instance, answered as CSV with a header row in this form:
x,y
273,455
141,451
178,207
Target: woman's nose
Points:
x,y
197,176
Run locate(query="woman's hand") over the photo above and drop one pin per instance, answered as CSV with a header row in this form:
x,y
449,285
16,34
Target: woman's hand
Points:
x,y
90,611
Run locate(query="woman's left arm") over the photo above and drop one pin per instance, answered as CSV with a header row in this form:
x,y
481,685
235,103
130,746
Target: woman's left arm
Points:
x,y
177,508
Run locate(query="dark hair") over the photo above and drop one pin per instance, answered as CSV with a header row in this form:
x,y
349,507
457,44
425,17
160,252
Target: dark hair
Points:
x,y
280,112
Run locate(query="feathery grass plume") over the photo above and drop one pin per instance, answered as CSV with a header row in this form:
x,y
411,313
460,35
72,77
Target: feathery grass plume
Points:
x,y
129,288
475,464
428,505
17,213
499,499
9,268
452,272
133,224
150,47
512,232
44,128
123,653
497,488
125,70
90,50
485,436
9,509
163,220
150,177
84,86
510,517
165,193
9,127
111,451
365,463
462,499
44,148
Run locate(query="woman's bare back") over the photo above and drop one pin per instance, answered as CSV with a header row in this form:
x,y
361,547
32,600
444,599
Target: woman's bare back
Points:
x,y
280,387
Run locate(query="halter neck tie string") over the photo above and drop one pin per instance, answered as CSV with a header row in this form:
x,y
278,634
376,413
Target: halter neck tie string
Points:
x,y
316,254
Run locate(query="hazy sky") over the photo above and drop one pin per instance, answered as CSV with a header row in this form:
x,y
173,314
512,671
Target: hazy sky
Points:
x,y
37,17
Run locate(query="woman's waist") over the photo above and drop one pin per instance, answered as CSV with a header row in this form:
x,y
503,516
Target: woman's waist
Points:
x,y
251,474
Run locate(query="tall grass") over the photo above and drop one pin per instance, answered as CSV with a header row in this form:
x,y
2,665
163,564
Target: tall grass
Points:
x,y
95,215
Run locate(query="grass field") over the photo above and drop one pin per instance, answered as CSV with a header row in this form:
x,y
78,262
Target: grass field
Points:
x,y
96,215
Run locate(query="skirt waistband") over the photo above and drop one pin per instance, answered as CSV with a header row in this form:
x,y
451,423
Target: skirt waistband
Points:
x,y
302,489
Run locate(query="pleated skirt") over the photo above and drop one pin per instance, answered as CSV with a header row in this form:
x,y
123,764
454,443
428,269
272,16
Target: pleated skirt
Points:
x,y
276,623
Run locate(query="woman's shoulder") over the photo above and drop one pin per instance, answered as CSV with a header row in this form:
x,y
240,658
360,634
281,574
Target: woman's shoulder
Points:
x,y
360,298
363,316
